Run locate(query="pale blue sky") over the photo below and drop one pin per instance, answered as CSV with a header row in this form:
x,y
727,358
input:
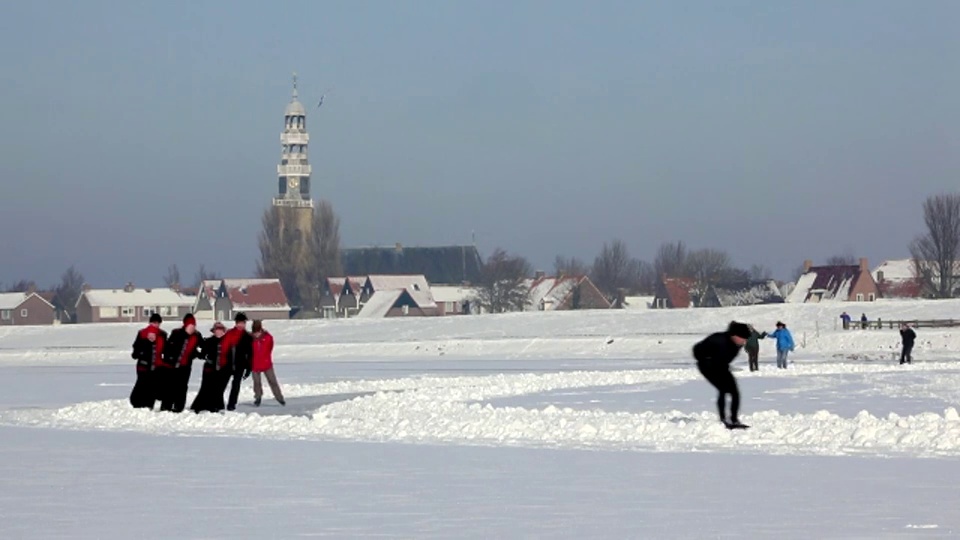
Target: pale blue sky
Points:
x,y
138,134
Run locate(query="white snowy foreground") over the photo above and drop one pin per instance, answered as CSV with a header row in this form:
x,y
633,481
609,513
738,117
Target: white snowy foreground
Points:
x,y
576,425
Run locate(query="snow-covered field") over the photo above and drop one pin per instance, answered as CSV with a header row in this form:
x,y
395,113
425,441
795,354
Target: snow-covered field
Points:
x,y
591,424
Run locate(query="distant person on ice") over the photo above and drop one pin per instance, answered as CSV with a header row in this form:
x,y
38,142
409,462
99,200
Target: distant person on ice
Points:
x,y
210,396
784,343
907,337
263,363
148,352
845,317
714,355
236,350
863,321
753,348
173,373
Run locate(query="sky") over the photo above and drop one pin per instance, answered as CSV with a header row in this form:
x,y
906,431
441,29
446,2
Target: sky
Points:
x,y
137,134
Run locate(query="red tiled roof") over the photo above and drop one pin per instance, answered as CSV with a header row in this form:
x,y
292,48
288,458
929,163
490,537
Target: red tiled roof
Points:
x,y
335,285
256,294
901,288
678,291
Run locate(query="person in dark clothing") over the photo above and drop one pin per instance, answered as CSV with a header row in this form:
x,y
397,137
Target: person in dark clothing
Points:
x,y
753,348
173,373
148,352
210,396
236,351
907,337
845,318
714,356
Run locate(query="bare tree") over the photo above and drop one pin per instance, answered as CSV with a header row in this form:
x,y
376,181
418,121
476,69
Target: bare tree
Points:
x,y
647,281
323,256
847,259
502,286
671,260
759,272
204,275
172,279
563,266
936,251
614,269
708,266
68,292
24,285
277,254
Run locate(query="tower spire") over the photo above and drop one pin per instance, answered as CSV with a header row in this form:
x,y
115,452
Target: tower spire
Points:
x,y
293,172
295,96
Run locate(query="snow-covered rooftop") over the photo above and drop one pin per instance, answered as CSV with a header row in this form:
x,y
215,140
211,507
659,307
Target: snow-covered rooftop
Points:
x,y
380,303
895,270
12,300
415,284
136,298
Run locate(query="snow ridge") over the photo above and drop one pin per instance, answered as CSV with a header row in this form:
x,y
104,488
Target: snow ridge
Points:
x,y
454,410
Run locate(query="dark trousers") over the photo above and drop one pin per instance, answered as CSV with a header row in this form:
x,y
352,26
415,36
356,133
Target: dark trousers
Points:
x,y
906,355
173,384
753,355
144,394
210,396
234,387
721,378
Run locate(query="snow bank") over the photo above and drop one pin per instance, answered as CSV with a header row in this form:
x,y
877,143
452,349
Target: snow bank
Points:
x,y
456,410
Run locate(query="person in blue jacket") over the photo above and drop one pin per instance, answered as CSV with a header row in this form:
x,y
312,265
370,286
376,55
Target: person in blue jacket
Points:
x,y
784,343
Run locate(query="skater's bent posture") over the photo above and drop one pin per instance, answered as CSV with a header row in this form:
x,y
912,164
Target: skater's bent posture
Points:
x,y
714,355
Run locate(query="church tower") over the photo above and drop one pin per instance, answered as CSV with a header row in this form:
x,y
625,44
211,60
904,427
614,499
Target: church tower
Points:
x,y
293,201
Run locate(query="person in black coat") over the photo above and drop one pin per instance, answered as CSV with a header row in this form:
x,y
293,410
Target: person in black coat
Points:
x,y
907,337
148,352
182,347
237,357
210,396
714,355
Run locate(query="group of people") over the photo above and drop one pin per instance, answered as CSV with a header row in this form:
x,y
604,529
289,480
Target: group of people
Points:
x,y
715,354
164,364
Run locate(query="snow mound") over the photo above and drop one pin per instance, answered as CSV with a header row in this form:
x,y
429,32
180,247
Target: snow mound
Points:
x,y
455,410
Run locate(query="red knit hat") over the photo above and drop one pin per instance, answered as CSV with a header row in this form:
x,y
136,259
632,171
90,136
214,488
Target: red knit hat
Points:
x,y
188,320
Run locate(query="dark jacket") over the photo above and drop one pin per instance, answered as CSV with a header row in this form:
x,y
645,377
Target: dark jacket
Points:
x,y
908,336
236,350
753,342
717,350
181,348
148,354
210,353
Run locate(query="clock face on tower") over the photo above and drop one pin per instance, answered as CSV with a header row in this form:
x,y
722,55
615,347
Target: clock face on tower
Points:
x,y
293,182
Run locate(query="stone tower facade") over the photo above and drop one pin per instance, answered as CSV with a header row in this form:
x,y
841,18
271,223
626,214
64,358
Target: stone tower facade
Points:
x,y
293,201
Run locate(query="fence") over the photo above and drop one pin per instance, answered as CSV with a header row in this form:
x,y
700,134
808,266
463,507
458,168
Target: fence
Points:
x,y
880,324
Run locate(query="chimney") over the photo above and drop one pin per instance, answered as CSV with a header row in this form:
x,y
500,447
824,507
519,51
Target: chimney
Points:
x,y
128,287
864,267
880,276
807,265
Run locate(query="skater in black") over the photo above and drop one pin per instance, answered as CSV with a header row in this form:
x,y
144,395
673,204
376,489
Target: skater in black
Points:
x,y
907,337
182,347
714,355
148,352
236,351
210,396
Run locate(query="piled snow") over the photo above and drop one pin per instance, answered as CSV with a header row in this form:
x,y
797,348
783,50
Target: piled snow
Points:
x,y
454,410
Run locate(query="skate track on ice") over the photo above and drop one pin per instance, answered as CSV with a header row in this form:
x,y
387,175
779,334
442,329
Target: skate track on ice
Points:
x,y
456,410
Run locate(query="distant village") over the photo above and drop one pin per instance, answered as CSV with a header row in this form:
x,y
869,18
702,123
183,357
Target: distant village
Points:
x,y
438,282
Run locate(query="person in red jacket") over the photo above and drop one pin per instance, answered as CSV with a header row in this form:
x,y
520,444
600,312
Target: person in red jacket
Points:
x,y
263,363
236,350
148,352
173,372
